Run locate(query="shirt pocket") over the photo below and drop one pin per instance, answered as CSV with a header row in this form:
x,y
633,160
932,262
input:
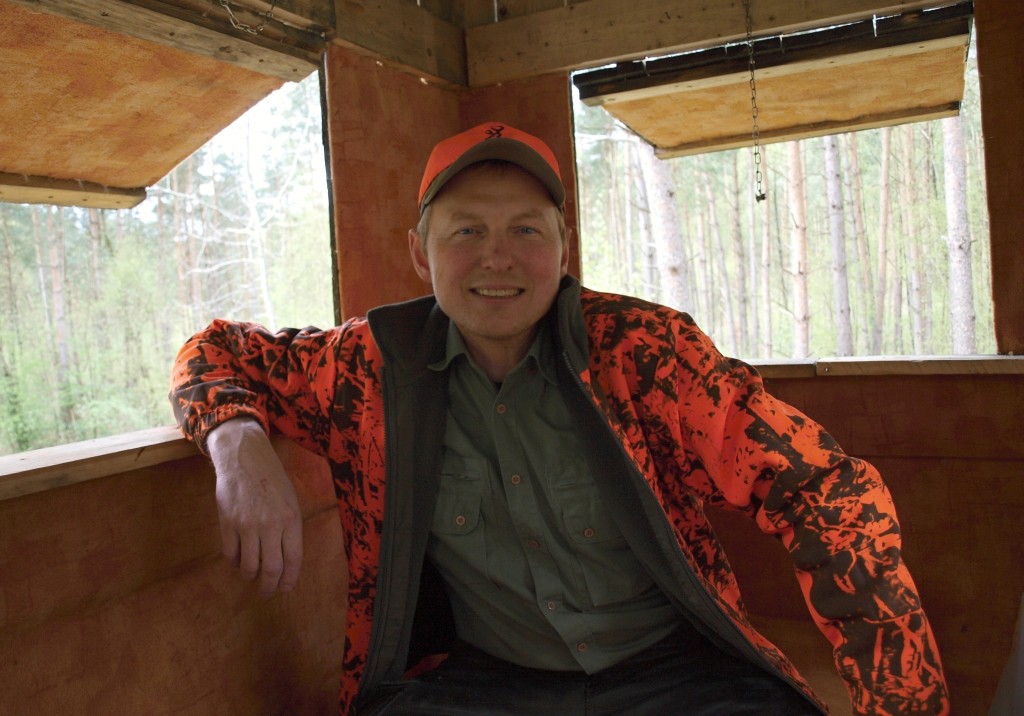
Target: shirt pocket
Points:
x,y
458,525
611,572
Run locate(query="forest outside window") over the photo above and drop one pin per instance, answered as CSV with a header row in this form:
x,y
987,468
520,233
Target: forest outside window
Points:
x,y
868,243
96,303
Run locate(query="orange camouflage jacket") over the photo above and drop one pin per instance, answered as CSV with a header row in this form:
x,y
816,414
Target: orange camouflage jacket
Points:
x,y
672,426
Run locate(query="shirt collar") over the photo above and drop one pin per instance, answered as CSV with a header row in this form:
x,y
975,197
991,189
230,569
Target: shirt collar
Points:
x,y
541,351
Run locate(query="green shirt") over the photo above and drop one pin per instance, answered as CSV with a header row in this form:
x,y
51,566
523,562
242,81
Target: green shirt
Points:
x,y
536,569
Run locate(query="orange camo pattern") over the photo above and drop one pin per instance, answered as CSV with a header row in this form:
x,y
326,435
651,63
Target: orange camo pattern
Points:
x,y
698,425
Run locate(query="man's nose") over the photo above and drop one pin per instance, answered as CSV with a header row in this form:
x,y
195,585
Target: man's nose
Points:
x,y
497,251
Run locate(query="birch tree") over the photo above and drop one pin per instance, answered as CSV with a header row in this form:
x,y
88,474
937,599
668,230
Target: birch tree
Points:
x,y
958,237
673,270
837,237
798,251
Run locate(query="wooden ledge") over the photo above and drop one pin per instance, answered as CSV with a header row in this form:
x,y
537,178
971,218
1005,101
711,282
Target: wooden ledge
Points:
x,y
48,468
892,365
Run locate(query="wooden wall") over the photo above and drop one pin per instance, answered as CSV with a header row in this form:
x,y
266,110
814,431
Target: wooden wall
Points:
x,y
382,124
114,599
999,26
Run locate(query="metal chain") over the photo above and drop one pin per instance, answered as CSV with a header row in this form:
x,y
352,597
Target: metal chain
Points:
x,y
239,25
756,133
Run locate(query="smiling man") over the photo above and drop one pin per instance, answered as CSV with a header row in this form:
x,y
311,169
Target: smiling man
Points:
x,y
521,467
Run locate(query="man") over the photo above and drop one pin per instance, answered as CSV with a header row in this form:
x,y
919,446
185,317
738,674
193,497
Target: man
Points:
x,y
522,465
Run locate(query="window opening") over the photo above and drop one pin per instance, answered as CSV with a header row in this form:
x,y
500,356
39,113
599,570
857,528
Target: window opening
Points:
x,y
95,303
689,233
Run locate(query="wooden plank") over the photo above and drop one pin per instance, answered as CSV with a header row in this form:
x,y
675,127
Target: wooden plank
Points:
x,y
206,34
925,365
49,468
21,189
770,369
868,41
402,34
814,129
598,32
707,78
999,27
926,85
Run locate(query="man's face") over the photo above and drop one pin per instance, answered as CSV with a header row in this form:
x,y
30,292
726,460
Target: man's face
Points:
x,y
494,256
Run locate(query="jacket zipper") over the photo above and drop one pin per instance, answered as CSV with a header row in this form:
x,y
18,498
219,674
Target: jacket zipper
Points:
x,y
723,625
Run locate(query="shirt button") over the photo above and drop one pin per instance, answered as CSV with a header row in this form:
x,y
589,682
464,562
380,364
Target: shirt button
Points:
x,y
460,520
515,479
581,647
533,544
501,408
588,532
551,606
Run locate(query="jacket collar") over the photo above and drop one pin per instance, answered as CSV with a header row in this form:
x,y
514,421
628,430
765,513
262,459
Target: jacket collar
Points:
x,y
411,335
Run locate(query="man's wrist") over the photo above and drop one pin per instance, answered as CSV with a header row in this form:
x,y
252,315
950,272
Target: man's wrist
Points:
x,y
232,431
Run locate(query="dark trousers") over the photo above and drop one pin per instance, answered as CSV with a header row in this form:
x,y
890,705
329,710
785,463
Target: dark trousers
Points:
x,y
683,674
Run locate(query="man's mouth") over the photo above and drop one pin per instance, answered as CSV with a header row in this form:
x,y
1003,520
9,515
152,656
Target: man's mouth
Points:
x,y
497,292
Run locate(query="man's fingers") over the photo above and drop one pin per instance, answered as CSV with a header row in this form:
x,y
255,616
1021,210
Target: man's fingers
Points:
x,y
249,562
291,543
230,546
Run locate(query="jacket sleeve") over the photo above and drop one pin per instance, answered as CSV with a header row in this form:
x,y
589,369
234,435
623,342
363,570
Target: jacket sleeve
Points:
x,y
833,514
285,380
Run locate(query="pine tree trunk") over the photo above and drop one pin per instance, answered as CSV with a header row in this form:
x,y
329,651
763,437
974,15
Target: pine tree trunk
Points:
x,y
884,204
798,252
909,203
723,289
837,237
958,237
865,272
659,185
741,278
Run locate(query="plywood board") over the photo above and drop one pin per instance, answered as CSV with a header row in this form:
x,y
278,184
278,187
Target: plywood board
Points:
x,y
85,104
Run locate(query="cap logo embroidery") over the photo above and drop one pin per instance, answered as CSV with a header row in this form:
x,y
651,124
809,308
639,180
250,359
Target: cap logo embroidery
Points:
x,y
495,131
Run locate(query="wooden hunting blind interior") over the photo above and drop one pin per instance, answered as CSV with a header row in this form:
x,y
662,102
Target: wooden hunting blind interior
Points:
x,y
113,597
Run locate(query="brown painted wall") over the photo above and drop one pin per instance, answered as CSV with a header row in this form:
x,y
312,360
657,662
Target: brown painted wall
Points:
x,y
382,125
999,27
114,599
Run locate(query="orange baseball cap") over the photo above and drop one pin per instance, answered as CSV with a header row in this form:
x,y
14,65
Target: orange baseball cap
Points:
x,y
491,140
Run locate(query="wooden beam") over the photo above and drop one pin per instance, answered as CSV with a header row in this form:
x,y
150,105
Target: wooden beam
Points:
x,y
599,32
21,189
26,473
929,365
999,27
403,35
278,51
816,129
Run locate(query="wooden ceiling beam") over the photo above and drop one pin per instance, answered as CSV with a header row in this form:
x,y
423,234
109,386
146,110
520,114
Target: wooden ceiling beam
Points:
x,y
21,189
404,35
598,32
202,28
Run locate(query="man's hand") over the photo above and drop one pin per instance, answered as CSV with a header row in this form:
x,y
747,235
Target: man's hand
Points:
x,y
260,521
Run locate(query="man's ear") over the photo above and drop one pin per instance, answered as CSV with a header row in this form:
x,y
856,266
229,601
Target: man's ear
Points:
x,y
418,254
